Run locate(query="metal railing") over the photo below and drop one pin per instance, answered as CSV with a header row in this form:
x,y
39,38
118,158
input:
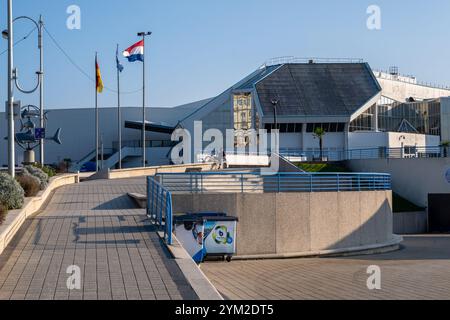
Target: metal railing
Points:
x,y
159,207
407,152
407,79
291,59
247,182
148,143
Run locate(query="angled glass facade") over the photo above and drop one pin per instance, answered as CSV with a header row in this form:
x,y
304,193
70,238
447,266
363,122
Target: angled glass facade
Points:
x,y
365,122
424,117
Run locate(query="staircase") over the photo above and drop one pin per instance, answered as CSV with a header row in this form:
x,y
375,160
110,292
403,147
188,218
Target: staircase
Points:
x,y
110,161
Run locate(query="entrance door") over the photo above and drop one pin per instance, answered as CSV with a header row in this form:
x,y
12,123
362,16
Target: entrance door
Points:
x,y
439,212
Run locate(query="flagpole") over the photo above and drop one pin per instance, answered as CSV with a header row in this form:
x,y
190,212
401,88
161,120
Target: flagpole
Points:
x,y
143,109
119,116
96,116
143,35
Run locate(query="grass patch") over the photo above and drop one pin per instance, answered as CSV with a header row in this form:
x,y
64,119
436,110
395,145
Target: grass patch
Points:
x,y
402,205
322,167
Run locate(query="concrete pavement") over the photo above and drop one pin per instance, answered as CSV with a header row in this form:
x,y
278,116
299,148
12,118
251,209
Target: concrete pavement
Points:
x,y
95,226
420,270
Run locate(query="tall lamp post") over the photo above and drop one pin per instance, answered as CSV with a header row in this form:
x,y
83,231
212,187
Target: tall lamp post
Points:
x,y
275,105
143,35
13,77
11,138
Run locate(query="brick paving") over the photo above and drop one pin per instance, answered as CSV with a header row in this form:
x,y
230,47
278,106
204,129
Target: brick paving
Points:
x,y
94,226
420,270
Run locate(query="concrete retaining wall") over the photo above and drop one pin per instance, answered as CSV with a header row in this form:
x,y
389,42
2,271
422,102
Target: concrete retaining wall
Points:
x,y
289,223
410,222
413,179
16,218
151,171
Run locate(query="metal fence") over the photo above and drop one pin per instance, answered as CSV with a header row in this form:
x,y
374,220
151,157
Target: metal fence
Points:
x,y
408,152
148,144
159,207
247,182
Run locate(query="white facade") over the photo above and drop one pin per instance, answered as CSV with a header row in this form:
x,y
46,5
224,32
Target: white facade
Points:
x,y
78,133
78,125
367,140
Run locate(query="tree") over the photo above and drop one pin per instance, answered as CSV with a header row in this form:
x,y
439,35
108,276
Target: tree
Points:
x,y
319,133
445,146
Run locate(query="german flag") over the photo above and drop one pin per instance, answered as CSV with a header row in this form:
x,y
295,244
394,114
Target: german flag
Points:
x,y
98,78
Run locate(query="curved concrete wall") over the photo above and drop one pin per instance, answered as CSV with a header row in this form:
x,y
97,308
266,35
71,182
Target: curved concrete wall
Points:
x,y
290,223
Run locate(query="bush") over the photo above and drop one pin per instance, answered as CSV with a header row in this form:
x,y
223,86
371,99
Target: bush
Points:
x,y
47,170
11,193
3,213
30,184
38,173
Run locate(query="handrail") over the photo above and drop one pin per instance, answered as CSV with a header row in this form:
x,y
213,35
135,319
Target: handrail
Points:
x,y
292,59
159,207
407,152
244,182
411,80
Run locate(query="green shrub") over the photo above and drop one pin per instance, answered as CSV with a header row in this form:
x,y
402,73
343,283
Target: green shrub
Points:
x,y
48,170
30,184
3,213
11,193
38,173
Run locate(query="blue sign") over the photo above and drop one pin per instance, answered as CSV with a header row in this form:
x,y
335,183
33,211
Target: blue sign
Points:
x,y
39,133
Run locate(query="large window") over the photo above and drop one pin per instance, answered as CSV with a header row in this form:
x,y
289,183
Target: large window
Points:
x,y
328,127
285,127
243,112
423,116
364,122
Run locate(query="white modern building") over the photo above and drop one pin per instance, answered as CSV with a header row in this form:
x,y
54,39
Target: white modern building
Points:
x,y
357,108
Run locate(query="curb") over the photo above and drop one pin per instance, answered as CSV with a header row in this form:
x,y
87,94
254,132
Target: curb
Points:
x,y
15,218
192,272
386,247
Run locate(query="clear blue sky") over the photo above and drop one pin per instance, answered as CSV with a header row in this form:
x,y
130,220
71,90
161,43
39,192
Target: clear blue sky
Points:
x,y
199,48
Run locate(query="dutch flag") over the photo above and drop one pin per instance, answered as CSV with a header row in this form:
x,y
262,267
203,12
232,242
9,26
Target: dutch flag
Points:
x,y
135,52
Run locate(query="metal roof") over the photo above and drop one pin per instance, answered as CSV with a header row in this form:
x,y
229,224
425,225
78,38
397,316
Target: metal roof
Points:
x,y
264,71
317,89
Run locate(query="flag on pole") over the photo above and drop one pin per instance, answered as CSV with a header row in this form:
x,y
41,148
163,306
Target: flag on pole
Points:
x,y
135,52
119,65
98,77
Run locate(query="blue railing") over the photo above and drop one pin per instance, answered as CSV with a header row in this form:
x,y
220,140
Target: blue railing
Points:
x,y
411,152
244,182
159,207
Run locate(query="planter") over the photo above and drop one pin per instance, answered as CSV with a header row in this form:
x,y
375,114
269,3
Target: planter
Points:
x,y
15,218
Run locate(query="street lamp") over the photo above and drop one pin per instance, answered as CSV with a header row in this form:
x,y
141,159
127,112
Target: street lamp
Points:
x,y
13,76
275,105
11,138
143,35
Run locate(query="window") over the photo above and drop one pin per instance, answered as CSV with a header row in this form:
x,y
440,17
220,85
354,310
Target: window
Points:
x,y
242,112
365,121
423,116
285,127
328,127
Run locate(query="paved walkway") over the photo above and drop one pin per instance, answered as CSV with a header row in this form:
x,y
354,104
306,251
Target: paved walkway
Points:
x,y
91,225
421,270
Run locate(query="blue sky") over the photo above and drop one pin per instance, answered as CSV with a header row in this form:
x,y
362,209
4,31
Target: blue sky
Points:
x,y
199,48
